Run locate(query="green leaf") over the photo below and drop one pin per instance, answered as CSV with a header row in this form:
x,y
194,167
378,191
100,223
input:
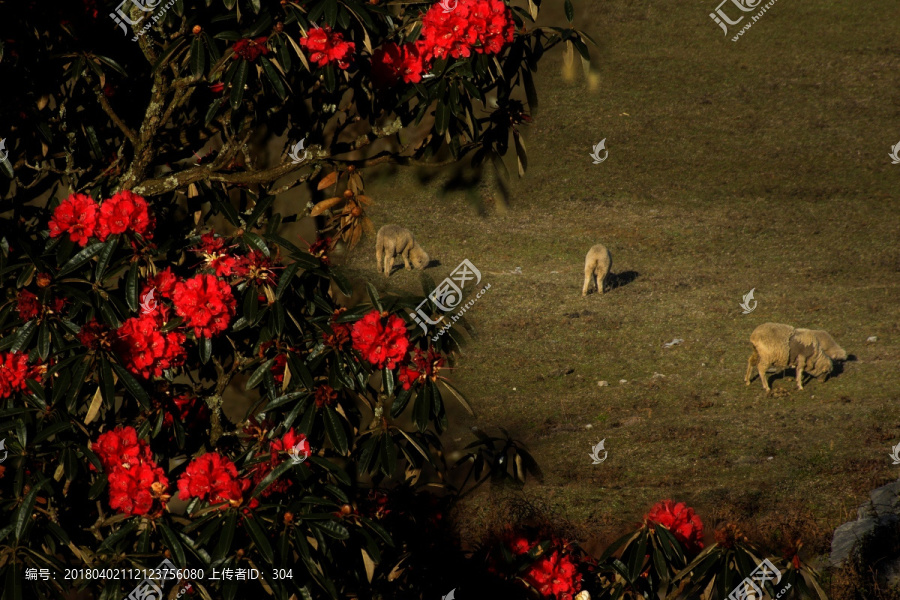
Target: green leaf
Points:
x,y
274,77
442,117
105,255
262,205
44,341
400,402
213,110
23,515
237,86
333,529
172,542
81,258
259,373
50,431
223,547
23,336
131,287
117,535
198,57
422,408
132,385
459,396
259,538
570,11
373,296
205,345
257,242
285,279
12,589
387,381
281,400
335,430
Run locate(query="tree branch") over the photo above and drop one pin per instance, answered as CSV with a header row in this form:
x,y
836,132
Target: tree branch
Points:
x,y
108,109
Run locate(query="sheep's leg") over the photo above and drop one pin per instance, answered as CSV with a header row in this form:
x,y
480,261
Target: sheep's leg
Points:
x,y
405,255
751,362
762,375
801,362
601,283
588,274
388,259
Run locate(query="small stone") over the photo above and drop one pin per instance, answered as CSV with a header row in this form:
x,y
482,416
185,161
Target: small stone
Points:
x,y
588,426
770,458
514,389
871,339
623,381
657,375
602,383
674,342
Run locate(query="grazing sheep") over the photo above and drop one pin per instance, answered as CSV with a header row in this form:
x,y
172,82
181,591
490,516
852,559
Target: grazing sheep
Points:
x,y
829,346
781,346
393,240
596,266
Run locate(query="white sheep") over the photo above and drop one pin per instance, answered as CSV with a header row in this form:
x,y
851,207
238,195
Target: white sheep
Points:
x,y
829,346
393,241
782,347
596,266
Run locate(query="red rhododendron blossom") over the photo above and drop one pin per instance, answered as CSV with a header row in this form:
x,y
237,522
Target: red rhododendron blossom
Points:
x,y
188,410
125,211
258,268
77,215
92,334
135,480
27,305
340,335
15,371
325,396
391,62
212,477
278,449
145,350
251,49
383,345
554,575
163,284
326,47
205,303
483,26
681,521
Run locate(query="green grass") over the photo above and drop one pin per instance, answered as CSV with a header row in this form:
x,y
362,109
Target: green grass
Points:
x,y
757,164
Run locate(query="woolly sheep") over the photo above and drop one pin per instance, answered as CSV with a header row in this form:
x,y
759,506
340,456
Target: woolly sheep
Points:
x,y
829,346
393,240
781,346
596,266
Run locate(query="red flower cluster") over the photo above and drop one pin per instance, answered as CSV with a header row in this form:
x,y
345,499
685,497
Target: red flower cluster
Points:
x,y
14,372
93,334
186,409
391,62
326,46
205,303
383,345
481,26
145,350
27,305
135,480
340,332
163,282
325,396
555,575
81,217
681,521
125,211
427,364
213,477
76,215
251,49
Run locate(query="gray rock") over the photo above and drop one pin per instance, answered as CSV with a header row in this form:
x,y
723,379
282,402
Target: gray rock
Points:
x,y
873,534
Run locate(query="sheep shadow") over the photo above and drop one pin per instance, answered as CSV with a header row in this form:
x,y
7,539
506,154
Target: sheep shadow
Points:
x,y
400,266
617,280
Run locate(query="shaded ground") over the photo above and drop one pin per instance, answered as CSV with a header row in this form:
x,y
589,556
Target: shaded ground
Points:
x,y
758,164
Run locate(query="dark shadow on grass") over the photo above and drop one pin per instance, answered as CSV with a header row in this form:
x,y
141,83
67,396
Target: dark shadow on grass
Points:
x,y
617,280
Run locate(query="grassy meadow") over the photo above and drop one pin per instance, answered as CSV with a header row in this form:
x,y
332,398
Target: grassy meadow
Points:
x,y
757,164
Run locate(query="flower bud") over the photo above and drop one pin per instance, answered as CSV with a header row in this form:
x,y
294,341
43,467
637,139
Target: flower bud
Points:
x,y
196,30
